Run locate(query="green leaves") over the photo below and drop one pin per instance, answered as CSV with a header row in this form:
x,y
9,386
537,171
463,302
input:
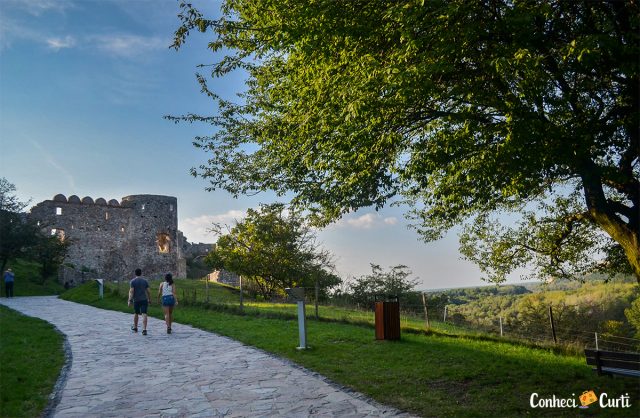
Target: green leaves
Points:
x,y
460,108
275,248
381,284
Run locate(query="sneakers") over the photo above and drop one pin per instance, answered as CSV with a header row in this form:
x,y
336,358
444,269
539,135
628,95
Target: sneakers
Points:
x,y
134,329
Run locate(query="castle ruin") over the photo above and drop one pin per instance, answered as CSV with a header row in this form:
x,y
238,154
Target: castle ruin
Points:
x,y
110,239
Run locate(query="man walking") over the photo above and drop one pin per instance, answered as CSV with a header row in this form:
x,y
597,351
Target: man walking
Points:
x,y
8,283
140,296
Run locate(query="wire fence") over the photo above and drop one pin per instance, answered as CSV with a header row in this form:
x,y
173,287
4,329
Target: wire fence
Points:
x,y
540,327
571,331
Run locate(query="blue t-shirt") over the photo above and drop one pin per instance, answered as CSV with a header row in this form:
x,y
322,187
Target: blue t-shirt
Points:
x,y
139,286
8,277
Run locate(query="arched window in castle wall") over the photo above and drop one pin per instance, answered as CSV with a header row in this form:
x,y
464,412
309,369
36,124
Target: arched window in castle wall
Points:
x,y
58,211
163,241
58,232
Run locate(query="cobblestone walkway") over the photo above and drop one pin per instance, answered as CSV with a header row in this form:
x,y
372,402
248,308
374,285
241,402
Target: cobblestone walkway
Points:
x,y
190,373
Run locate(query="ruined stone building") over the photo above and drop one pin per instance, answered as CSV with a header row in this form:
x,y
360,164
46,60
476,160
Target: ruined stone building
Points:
x,y
109,240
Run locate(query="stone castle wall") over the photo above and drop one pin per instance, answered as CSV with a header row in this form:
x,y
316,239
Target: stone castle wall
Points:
x,y
110,239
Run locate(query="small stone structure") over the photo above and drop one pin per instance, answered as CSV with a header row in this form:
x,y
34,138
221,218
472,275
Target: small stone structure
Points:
x,y
110,239
226,277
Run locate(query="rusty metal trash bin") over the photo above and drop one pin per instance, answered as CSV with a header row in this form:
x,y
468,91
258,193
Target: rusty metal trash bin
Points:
x,y
388,320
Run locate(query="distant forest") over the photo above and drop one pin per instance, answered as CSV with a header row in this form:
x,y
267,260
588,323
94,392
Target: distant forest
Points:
x,y
579,309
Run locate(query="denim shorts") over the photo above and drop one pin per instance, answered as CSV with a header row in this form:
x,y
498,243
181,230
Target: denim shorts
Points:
x,y
168,300
140,306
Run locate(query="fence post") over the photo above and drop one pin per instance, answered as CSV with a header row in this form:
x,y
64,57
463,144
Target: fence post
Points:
x,y
445,314
596,341
553,327
317,293
207,288
241,293
501,334
426,312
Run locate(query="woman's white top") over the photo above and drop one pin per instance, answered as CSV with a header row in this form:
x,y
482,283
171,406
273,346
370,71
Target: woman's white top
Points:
x,y
167,289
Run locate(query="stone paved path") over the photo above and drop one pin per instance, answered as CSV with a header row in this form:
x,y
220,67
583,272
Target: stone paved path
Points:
x,y
190,373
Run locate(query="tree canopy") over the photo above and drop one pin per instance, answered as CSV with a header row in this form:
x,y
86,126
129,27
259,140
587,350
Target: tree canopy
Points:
x,y
463,110
275,249
16,234
380,284
22,238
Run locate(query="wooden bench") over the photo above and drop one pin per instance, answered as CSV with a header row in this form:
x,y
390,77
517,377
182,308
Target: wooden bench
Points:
x,y
612,362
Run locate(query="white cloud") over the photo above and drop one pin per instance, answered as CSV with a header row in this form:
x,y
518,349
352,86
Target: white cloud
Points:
x,y
198,229
391,220
11,31
126,45
119,45
57,44
39,7
366,221
362,222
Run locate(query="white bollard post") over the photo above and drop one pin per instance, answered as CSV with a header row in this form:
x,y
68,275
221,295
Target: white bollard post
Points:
x,y
297,294
302,325
100,288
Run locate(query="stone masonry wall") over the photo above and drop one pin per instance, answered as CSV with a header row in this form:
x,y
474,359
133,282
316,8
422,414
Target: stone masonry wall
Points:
x,y
109,240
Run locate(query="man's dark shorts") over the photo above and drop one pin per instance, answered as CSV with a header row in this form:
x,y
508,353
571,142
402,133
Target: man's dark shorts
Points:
x,y
140,307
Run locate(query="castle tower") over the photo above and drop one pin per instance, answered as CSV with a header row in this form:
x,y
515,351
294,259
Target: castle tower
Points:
x,y
109,240
154,227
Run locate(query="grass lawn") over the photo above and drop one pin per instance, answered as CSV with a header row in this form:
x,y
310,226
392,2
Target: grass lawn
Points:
x,y
32,354
227,298
429,375
28,282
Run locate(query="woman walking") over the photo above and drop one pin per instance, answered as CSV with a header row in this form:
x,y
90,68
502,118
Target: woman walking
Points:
x,y
167,291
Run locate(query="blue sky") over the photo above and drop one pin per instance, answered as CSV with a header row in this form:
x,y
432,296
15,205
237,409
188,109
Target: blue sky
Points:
x,y
83,88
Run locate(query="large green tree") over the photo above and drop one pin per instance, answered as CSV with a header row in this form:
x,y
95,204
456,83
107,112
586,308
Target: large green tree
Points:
x,y
463,110
274,248
21,237
50,252
17,234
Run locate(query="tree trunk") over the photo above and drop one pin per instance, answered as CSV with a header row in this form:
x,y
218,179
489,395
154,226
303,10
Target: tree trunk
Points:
x,y
629,240
601,212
